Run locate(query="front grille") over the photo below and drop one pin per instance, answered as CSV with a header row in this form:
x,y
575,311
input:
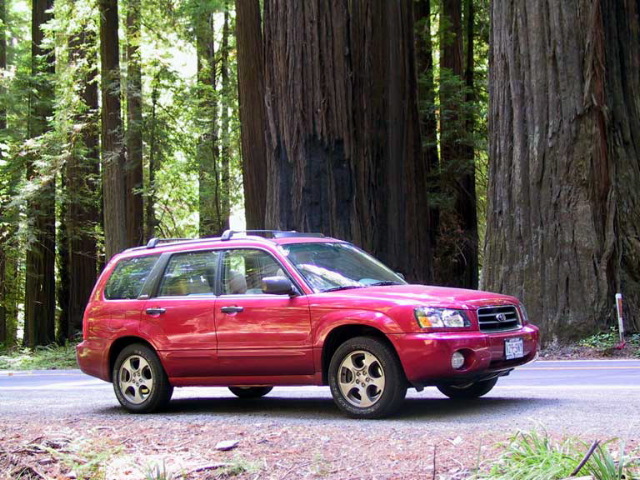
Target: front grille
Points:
x,y
498,319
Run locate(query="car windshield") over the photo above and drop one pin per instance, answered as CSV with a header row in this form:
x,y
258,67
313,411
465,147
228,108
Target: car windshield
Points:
x,y
338,266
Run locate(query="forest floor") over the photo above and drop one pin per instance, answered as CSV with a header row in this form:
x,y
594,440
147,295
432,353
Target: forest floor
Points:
x,y
91,449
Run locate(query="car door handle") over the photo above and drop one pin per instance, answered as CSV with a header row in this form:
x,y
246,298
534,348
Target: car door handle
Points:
x,y
233,309
155,311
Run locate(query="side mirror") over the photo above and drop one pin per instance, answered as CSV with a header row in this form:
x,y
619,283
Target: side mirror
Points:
x,y
401,275
277,286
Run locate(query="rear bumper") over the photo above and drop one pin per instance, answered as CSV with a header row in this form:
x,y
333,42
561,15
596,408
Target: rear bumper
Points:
x,y
93,359
426,357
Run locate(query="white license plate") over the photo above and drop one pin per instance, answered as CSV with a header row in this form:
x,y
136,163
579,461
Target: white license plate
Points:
x,y
513,348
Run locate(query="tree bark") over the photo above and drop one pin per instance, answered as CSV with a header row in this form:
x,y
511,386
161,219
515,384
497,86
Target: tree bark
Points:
x,y
250,51
40,292
564,203
82,173
457,243
343,141
133,176
113,181
427,108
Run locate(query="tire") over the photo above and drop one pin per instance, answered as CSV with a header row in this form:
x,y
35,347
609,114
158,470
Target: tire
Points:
x,y
250,392
468,391
139,381
366,378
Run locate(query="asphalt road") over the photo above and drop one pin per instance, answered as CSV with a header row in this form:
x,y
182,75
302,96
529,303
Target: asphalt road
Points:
x,y
586,397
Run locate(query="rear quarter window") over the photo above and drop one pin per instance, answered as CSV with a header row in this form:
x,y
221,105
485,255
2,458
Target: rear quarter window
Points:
x,y
128,277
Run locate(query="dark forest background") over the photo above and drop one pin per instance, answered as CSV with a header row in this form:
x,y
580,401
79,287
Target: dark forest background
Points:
x,y
464,142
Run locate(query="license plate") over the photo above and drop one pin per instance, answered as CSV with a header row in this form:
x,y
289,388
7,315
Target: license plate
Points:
x,y
513,348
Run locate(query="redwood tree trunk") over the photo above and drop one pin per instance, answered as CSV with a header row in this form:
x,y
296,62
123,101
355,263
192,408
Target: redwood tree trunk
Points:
x,y
343,141
82,173
426,105
564,203
133,170
40,293
252,110
113,182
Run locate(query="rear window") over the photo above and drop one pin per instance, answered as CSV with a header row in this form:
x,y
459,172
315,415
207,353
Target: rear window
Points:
x,y
128,278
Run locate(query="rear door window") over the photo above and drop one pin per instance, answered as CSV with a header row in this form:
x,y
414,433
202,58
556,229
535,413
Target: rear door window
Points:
x,y
190,273
128,278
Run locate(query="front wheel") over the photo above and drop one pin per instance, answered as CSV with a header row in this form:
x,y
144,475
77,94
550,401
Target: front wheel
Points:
x,y
250,392
366,378
468,391
139,381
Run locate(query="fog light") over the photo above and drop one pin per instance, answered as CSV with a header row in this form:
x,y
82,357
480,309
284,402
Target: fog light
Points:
x,y
457,360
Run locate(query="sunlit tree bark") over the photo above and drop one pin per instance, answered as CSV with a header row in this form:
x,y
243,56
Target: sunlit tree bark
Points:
x,y
113,181
252,110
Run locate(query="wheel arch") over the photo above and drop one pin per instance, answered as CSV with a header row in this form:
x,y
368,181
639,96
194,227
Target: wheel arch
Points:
x,y
120,344
341,334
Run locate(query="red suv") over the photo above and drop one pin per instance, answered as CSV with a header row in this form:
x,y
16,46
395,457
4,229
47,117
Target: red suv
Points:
x,y
251,310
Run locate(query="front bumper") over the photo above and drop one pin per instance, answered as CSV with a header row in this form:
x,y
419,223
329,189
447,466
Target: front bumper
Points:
x,y
426,357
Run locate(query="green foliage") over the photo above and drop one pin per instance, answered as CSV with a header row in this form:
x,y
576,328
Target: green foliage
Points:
x,y
158,472
604,342
51,357
535,456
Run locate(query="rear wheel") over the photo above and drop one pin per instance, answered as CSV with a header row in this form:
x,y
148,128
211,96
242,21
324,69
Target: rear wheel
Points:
x,y
139,381
250,392
366,378
468,391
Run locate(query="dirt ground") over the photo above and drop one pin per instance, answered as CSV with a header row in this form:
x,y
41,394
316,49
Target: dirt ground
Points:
x,y
150,448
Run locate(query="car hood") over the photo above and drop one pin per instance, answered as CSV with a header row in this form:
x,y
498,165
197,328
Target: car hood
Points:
x,y
429,296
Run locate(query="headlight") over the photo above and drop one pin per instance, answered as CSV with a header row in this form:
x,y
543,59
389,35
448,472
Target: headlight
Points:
x,y
428,317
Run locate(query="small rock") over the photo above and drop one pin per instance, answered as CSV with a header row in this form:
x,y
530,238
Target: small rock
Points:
x,y
227,445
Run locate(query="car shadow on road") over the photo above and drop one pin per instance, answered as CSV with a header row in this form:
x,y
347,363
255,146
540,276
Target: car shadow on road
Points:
x,y
316,408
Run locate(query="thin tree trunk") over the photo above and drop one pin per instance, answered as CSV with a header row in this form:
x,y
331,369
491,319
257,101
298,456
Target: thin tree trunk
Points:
x,y
3,126
224,200
133,169
343,142
150,220
564,203
40,293
208,154
251,97
113,182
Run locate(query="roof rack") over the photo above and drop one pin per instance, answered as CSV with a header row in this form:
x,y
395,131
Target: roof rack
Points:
x,y
229,234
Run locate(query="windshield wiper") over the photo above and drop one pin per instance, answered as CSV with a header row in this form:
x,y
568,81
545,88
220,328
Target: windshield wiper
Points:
x,y
383,284
345,287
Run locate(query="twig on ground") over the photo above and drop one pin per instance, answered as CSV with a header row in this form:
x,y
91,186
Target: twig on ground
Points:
x,y
582,463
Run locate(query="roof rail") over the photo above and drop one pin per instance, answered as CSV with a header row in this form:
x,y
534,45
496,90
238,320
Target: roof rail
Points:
x,y
154,242
229,234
